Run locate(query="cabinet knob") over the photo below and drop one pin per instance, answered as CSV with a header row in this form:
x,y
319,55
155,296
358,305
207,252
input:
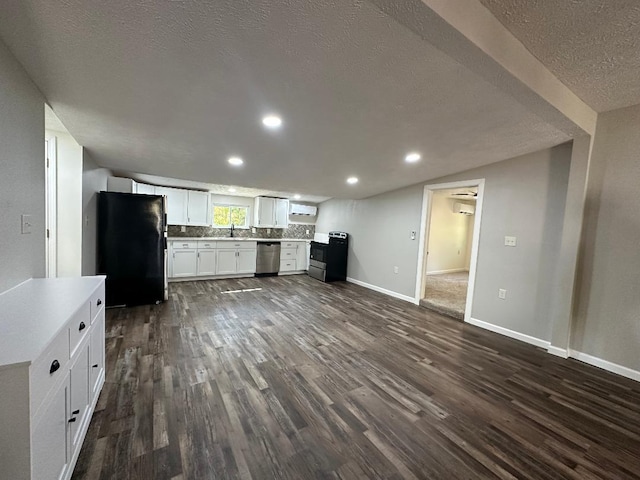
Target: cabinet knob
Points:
x,y
82,326
94,366
99,302
73,419
75,412
55,365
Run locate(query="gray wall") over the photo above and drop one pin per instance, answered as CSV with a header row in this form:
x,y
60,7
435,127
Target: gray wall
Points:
x,y
380,229
523,197
94,180
607,322
22,174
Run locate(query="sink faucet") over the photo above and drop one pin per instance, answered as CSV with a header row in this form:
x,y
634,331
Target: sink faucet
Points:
x,y
231,230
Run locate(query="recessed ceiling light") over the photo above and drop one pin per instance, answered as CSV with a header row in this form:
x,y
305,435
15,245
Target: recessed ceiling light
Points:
x,y
352,180
235,161
272,121
231,189
297,196
412,157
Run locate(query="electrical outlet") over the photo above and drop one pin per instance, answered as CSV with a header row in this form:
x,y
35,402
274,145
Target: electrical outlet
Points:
x,y
253,230
510,241
502,294
268,231
307,232
183,229
395,269
26,224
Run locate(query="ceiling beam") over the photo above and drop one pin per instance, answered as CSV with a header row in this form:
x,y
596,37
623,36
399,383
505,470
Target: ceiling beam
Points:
x,y
470,34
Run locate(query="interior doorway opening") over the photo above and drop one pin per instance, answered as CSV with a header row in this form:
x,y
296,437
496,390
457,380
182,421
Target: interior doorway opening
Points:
x,y
449,247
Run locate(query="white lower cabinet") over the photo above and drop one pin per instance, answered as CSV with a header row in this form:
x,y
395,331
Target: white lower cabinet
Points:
x,y
184,259
79,393
61,321
206,262
51,439
246,262
293,257
227,262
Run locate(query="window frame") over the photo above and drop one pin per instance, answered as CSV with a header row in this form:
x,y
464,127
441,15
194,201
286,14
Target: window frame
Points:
x,y
230,206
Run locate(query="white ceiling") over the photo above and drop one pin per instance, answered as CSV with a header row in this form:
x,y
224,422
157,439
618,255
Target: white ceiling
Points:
x,y
592,46
173,88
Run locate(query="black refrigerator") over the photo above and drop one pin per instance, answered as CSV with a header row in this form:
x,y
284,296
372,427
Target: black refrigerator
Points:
x,y
132,248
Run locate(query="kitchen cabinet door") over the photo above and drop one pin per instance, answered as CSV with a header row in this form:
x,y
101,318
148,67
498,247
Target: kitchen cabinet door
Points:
x,y
302,256
206,262
50,449
184,263
281,213
246,261
96,354
177,201
79,393
226,261
198,208
265,211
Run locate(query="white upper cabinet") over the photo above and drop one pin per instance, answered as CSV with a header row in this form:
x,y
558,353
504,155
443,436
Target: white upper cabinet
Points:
x,y
271,212
282,213
264,212
144,189
198,208
177,201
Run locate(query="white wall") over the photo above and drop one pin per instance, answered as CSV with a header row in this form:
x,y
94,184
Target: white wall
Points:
x,y
94,180
523,197
69,207
22,174
607,320
448,236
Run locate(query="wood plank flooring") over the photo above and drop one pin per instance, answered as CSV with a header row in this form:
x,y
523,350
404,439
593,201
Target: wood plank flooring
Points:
x,y
304,380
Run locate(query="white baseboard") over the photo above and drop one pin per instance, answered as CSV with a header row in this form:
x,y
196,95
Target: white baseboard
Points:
x,y
453,270
558,352
391,293
606,365
538,342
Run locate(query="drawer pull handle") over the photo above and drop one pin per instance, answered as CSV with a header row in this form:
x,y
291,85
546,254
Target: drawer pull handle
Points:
x,y
99,302
82,326
71,420
75,412
55,365
94,366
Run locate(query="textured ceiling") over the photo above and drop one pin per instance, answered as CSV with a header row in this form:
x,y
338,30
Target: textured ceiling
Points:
x,y
172,88
592,46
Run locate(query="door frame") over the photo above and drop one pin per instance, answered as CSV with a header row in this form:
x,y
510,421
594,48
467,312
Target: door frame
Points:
x,y
51,207
425,220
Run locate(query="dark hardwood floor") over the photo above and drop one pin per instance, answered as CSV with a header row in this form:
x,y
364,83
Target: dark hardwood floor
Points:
x,y
304,380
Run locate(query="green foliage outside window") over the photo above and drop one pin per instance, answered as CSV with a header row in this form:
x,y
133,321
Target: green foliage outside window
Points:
x,y
226,215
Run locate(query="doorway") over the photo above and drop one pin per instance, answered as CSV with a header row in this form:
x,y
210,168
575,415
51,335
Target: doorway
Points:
x,y
448,250
51,162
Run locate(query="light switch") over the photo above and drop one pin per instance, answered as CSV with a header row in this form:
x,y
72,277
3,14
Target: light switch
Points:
x,y
395,269
413,235
26,224
510,241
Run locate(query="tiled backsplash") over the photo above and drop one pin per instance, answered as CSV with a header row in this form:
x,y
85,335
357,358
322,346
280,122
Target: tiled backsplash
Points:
x,y
293,231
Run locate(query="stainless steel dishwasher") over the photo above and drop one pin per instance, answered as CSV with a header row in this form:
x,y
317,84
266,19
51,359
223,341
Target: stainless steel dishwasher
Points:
x,y
268,260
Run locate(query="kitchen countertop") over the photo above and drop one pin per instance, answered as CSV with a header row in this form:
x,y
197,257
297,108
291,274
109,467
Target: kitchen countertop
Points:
x,y
236,239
